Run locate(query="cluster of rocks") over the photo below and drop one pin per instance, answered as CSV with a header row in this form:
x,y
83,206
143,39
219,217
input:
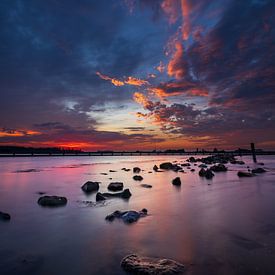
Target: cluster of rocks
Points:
x,y
206,173
127,216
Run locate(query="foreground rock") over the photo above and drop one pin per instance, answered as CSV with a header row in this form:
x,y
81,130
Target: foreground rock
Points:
x,y
146,185
176,181
155,168
166,166
258,170
4,216
136,264
127,216
115,186
137,177
90,186
206,173
125,194
52,201
136,169
243,174
218,168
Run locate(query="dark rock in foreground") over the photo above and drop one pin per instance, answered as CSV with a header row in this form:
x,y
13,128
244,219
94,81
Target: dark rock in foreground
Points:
x,y
127,216
146,185
125,194
136,169
4,216
242,174
135,264
52,201
176,181
218,168
258,170
166,166
115,186
137,177
90,186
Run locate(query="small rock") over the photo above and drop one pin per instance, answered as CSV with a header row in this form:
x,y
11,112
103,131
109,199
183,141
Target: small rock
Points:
x,y
176,181
203,165
155,168
115,186
125,194
127,216
244,174
104,174
207,173
185,164
4,216
90,186
258,170
136,264
52,201
146,185
137,177
112,171
166,166
192,170
136,169
218,168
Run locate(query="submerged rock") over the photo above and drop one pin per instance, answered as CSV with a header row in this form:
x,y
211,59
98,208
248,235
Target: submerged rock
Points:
x,y
136,264
115,186
218,168
176,181
245,174
52,201
146,185
137,177
125,194
127,216
4,216
90,186
136,169
258,170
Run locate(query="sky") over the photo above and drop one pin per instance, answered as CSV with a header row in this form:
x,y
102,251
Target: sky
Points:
x,y
137,74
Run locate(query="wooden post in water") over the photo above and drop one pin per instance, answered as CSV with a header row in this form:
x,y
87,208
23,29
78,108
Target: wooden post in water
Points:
x,y
253,152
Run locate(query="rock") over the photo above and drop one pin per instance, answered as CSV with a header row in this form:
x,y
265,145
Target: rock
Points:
x,y
192,170
4,216
90,186
192,159
185,164
136,169
166,166
150,172
137,177
176,168
176,181
218,168
125,169
99,197
155,168
135,264
40,193
258,170
125,194
52,201
202,172
146,185
112,171
244,174
203,165
115,186
104,174
127,216
207,173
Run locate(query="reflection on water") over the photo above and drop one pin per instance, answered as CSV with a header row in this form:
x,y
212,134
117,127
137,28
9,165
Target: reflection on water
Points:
x,y
227,227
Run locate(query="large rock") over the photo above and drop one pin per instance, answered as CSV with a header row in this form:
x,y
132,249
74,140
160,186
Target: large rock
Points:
x,y
166,166
218,168
136,169
137,177
258,170
52,201
4,216
243,174
176,181
115,186
127,216
135,264
90,186
125,194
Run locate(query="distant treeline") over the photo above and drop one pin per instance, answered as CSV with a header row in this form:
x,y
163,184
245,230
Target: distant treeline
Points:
x,y
31,150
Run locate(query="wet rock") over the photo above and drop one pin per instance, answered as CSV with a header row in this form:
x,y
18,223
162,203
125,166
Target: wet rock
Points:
x,y
192,170
52,201
166,166
244,174
115,186
218,168
207,173
176,168
112,171
146,185
135,264
127,216
103,174
203,165
90,186
155,168
176,181
191,159
136,169
258,170
185,164
4,216
137,177
125,169
125,194
202,172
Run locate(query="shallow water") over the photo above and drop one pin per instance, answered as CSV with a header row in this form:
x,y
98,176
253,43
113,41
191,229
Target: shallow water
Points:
x,y
227,227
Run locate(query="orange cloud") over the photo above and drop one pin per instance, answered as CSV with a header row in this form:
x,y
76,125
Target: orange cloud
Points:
x,y
170,7
17,133
114,81
185,9
141,99
135,81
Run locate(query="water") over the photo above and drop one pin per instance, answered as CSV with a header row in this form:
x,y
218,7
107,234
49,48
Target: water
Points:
x,y
227,227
